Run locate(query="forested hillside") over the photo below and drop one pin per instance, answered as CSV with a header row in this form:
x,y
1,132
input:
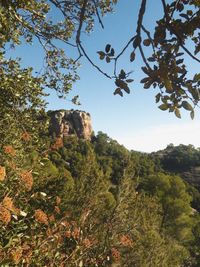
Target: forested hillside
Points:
x,y
75,202
182,159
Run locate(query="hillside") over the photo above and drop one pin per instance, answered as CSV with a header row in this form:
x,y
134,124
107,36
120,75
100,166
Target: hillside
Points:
x,y
183,160
85,200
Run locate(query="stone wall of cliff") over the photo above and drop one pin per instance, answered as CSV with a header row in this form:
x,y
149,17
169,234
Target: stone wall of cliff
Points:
x,y
70,122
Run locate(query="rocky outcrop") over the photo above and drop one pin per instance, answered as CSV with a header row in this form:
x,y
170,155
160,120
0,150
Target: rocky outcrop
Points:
x,y
64,123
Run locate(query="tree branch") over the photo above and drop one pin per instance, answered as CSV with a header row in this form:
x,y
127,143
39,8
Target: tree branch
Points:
x,y
143,57
121,53
81,20
176,33
98,15
91,62
140,17
150,38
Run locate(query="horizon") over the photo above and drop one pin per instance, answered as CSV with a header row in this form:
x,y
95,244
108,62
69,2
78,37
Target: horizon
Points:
x,y
164,129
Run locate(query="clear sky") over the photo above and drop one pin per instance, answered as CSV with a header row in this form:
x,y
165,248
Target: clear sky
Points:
x,y
134,120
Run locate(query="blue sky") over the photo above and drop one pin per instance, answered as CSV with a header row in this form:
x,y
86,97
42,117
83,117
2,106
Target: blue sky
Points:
x,y
134,120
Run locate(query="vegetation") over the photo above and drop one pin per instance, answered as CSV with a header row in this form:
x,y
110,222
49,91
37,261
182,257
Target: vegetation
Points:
x,y
55,212
77,203
164,51
179,158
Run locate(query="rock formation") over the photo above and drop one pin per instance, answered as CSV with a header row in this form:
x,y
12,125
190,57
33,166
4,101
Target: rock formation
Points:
x,y
69,122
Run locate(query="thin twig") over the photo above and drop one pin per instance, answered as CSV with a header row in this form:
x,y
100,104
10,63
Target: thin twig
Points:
x,y
120,54
126,46
98,15
143,57
81,20
174,9
140,17
92,63
36,31
78,41
150,38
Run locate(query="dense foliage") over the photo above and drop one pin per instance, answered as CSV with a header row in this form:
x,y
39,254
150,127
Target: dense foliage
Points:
x,y
179,158
81,203
166,51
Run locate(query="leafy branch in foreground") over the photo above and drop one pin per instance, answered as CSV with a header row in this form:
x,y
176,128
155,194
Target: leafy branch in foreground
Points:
x,y
164,50
174,39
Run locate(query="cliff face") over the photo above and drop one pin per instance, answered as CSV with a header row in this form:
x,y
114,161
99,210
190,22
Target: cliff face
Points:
x,y
69,122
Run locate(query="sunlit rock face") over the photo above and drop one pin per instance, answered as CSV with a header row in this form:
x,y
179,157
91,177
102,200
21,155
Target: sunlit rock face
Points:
x,y
70,122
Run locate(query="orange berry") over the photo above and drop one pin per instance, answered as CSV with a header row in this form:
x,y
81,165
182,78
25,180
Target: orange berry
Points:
x,y
126,241
2,173
115,254
16,255
5,215
58,200
26,136
27,179
41,216
10,150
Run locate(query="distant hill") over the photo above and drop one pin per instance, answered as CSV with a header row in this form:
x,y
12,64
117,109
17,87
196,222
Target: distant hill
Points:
x,y
183,160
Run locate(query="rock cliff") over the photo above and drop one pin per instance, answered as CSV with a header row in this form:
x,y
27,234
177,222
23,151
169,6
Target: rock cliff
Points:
x,y
69,122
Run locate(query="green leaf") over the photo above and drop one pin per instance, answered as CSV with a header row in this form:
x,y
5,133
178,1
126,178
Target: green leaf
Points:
x,y
163,107
145,80
145,70
148,84
107,48
185,16
197,49
151,59
127,90
187,106
112,53
118,92
101,54
177,113
107,59
192,114
179,54
179,61
132,56
136,41
129,80
158,96
122,74
189,12
168,85
171,109
196,77
195,94
147,42
118,82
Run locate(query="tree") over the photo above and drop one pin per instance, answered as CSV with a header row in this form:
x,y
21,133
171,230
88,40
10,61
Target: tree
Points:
x,y
180,158
174,38
177,212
